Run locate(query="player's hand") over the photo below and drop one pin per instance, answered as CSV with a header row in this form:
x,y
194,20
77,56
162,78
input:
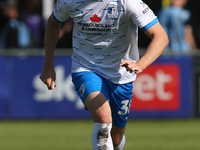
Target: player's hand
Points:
x,y
132,66
48,77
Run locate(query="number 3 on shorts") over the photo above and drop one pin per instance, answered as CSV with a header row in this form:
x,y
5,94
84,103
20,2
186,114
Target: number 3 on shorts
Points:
x,y
125,107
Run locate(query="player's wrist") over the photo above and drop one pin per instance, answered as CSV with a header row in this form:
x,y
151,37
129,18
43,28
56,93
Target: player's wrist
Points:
x,y
142,65
48,65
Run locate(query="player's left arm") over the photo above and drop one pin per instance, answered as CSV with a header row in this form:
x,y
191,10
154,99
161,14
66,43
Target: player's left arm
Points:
x,y
159,41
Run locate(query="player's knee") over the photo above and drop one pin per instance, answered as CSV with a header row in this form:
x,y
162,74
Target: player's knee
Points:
x,y
103,118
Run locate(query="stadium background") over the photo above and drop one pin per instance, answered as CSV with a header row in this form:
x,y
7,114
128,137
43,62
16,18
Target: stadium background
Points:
x,y
164,113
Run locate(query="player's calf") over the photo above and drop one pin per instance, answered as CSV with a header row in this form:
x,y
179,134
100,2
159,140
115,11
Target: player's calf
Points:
x,y
121,144
101,137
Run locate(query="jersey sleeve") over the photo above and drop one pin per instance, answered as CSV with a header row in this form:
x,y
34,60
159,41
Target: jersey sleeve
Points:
x,y
60,11
140,14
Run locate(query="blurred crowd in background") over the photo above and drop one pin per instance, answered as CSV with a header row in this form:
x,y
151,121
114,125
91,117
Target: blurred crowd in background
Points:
x,y
22,24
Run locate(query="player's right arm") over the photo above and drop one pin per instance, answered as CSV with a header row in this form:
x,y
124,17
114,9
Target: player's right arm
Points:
x,y
48,75
142,16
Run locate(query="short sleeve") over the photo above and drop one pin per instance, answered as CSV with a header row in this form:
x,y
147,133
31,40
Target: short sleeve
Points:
x,y
140,14
60,11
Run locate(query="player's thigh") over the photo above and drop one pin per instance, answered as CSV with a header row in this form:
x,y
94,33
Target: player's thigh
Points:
x,y
120,102
99,107
94,94
86,83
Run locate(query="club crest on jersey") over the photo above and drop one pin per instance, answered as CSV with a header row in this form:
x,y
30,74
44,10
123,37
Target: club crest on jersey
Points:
x,y
82,89
57,6
112,11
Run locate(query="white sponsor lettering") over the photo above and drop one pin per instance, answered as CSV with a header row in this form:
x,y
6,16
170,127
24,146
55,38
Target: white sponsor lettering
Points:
x,y
162,79
63,90
146,87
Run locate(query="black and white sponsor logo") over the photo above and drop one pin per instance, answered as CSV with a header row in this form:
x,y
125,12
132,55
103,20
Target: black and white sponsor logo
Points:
x,y
96,27
146,10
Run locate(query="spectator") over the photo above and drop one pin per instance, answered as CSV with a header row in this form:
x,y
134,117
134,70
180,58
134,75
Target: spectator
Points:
x,y
14,32
193,6
31,14
175,20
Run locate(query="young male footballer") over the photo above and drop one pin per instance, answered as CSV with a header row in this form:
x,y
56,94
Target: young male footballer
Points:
x,y
105,59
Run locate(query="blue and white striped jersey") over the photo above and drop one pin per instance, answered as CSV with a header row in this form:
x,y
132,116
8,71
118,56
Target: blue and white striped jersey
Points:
x,y
105,33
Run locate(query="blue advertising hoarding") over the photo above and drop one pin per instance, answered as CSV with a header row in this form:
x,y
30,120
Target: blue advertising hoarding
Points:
x,y
24,96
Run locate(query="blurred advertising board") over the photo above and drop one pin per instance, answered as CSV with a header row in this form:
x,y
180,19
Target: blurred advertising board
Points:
x,y
157,88
163,90
197,91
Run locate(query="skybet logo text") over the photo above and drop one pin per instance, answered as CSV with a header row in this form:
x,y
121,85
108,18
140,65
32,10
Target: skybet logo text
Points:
x,y
157,88
64,90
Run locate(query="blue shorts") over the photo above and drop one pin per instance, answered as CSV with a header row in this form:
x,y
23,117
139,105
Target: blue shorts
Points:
x,y
118,95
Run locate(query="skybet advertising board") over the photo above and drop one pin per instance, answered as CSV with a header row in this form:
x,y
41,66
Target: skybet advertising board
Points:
x,y
163,90
158,88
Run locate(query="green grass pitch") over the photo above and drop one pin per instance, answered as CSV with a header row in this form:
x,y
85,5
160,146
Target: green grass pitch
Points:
x,y
76,135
